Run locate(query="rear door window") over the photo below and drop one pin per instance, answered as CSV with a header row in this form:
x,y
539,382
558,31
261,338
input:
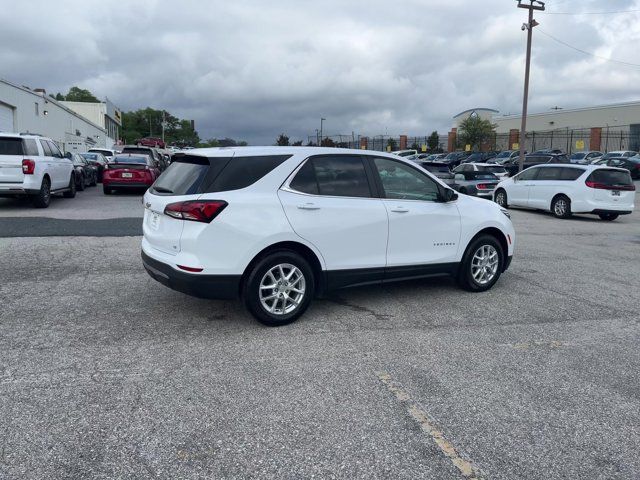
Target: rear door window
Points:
x,y
550,173
11,146
571,173
528,174
335,175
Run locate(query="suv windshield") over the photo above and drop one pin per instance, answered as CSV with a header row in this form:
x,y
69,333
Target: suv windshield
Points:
x,y
11,146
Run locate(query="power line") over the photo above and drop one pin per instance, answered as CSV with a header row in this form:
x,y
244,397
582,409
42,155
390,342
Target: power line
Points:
x,y
619,62
593,13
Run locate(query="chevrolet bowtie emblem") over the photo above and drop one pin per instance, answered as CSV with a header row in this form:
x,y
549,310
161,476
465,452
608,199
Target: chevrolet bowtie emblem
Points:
x,y
148,205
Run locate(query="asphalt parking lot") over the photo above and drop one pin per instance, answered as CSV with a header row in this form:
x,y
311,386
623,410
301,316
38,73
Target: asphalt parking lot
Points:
x,y
105,373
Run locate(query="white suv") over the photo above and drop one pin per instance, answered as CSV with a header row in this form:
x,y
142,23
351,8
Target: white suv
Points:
x,y
565,189
31,165
278,225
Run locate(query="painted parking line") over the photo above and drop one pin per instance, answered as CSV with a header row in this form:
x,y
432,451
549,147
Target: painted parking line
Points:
x,y
466,468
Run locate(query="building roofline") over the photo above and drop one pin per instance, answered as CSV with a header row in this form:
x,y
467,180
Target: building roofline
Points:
x,y
55,102
475,109
571,110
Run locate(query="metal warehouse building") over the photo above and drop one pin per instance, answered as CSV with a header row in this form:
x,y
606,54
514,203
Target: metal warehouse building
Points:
x,y
24,110
604,127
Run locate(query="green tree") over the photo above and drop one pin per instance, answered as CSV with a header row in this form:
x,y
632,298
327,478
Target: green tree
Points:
x,y
433,141
59,96
297,143
147,122
282,140
391,144
415,146
77,94
327,142
474,131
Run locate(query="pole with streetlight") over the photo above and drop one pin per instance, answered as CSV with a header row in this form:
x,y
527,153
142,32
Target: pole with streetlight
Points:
x,y
533,5
321,122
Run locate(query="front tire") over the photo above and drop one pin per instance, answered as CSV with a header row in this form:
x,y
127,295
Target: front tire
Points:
x,y
481,265
608,217
71,192
501,198
279,288
43,197
561,206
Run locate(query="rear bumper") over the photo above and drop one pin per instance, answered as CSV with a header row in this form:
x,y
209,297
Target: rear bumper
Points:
x,y
617,212
203,286
120,184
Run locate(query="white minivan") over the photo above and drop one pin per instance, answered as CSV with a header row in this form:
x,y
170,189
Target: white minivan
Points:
x,y
566,189
278,225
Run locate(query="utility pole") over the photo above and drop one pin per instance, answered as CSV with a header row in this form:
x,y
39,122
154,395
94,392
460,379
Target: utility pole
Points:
x,y
162,126
321,121
317,137
533,5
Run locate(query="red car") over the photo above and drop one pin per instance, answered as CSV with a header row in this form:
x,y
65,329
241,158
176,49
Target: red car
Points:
x,y
150,142
129,171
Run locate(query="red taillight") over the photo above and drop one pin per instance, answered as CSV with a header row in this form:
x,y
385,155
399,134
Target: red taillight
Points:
x,y
604,186
190,269
483,186
28,167
196,210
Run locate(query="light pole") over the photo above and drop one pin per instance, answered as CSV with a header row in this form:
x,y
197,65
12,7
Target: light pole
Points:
x,y
321,122
533,5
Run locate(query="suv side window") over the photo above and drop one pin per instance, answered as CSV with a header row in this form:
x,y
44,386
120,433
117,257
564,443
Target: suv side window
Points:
x,y
551,173
400,181
528,174
30,147
55,151
46,148
305,180
571,173
340,176
240,172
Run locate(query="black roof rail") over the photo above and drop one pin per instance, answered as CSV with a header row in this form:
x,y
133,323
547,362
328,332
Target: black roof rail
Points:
x,y
30,133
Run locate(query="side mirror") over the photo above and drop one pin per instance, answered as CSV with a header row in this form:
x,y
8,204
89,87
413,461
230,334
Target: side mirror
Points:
x,y
448,195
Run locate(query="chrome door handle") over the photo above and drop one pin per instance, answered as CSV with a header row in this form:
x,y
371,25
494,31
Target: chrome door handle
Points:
x,y
308,206
400,210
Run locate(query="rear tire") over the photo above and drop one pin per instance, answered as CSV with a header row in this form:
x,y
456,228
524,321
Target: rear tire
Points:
x,y
43,198
293,288
71,192
608,217
463,191
94,179
561,206
481,265
106,190
83,184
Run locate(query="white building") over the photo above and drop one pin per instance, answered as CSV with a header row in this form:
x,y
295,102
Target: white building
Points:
x,y
24,110
105,114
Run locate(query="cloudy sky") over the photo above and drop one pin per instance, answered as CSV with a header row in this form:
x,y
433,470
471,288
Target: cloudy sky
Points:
x,y
250,69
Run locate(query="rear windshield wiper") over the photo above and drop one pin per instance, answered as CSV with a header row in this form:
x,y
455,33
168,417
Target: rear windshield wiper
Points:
x,y
162,189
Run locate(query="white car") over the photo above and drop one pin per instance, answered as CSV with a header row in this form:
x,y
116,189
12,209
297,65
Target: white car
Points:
x,y
497,170
278,225
34,166
566,189
406,153
107,152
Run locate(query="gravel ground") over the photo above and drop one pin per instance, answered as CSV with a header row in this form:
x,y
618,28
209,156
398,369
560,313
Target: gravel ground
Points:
x,y
105,373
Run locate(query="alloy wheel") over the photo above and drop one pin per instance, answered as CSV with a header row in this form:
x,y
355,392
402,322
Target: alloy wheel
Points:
x,y
484,265
560,207
501,200
282,289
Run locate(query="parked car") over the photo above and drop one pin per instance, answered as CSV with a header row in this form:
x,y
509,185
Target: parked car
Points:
x,y
632,164
505,156
454,159
86,174
129,170
585,158
497,170
33,166
440,170
153,153
107,152
278,225
566,189
547,151
150,142
96,159
479,184
534,159
405,153
619,153
479,157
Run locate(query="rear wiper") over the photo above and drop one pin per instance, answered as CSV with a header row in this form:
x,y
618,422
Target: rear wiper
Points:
x,y
162,189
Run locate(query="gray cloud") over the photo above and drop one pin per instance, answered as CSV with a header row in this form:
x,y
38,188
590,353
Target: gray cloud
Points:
x,y
250,69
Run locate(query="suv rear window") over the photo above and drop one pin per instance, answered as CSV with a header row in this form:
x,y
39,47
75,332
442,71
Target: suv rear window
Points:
x,y
610,177
185,175
11,146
